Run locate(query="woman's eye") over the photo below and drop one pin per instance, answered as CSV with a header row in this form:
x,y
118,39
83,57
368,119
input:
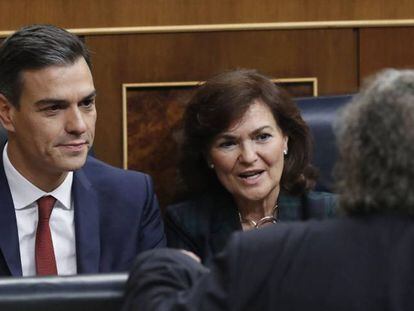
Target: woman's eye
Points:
x,y
263,137
226,144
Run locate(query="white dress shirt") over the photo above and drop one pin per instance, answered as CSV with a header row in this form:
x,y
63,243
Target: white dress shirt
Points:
x,y
62,225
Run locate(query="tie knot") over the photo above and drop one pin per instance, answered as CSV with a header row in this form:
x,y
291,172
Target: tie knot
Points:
x,y
45,205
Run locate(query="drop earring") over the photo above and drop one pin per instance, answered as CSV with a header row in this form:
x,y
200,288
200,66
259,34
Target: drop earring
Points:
x,y
211,165
285,152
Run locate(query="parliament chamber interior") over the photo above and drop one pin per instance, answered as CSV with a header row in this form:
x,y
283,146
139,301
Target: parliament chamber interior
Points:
x,y
149,57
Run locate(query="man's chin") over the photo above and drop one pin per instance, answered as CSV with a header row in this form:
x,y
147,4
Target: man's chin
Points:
x,y
74,163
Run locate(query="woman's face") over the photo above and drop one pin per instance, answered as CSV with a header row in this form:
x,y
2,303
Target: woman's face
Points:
x,y
248,156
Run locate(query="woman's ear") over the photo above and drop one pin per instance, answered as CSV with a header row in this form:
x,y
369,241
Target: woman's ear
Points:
x,y
210,163
285,145
6,113
208,160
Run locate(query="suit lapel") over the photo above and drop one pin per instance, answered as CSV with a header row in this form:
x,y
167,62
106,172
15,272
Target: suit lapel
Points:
x,y
9,238
86,224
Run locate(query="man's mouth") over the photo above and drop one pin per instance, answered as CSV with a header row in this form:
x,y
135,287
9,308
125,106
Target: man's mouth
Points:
x,y
74,146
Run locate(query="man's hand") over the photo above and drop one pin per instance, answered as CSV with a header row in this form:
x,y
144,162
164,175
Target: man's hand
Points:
x,y
191,254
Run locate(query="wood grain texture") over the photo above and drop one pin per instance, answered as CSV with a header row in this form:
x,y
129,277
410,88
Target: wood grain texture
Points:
x,y
122,13
329,55
385,48
154,119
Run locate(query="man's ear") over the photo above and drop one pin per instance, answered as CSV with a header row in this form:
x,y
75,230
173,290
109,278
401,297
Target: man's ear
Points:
x,y
6,111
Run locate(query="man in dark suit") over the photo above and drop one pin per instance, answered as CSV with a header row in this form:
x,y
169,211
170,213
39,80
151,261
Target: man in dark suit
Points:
x,y
362,261
62,212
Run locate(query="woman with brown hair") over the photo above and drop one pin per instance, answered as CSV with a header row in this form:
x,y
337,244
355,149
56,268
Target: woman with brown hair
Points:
x,y
245,161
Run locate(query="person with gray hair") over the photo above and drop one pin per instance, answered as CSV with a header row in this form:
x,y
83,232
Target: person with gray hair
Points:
x,y
375,171
361,261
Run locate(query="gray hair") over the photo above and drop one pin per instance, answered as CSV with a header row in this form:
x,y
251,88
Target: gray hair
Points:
x,y
375,134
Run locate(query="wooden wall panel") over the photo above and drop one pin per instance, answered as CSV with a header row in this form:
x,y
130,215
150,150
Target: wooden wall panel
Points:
x,y
386,47
118,13
329,55
154,117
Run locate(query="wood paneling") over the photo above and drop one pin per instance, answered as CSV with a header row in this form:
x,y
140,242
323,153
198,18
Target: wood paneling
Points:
x,y
153,117
118,13
329,55
386,47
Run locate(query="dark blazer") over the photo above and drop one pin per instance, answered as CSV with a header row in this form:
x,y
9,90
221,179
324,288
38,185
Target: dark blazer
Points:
x,y
359,264
116,217
204,225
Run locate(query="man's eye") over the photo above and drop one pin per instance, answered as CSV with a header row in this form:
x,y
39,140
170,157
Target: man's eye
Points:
x,y
52,108
88,103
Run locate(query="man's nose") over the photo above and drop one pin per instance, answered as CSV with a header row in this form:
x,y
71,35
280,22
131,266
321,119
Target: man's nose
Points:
x,y
75,121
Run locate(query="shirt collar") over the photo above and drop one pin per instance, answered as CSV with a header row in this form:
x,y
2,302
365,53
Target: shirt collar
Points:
x,y
24,193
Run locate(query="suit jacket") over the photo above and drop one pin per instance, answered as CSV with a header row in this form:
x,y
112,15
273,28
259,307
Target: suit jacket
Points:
x,y
358,264
204,225
116,217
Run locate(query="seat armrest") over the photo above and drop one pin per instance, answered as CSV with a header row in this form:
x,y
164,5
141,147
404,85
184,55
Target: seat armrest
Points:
x,y
103,292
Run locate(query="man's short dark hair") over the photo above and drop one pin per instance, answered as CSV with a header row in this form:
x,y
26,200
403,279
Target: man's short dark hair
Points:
x,y
36,47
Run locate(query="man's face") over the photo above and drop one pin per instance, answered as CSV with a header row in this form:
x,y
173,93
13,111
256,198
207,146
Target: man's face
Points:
x,y
53,127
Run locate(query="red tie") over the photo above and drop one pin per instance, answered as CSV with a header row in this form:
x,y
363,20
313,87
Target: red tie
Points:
x,y
45,256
